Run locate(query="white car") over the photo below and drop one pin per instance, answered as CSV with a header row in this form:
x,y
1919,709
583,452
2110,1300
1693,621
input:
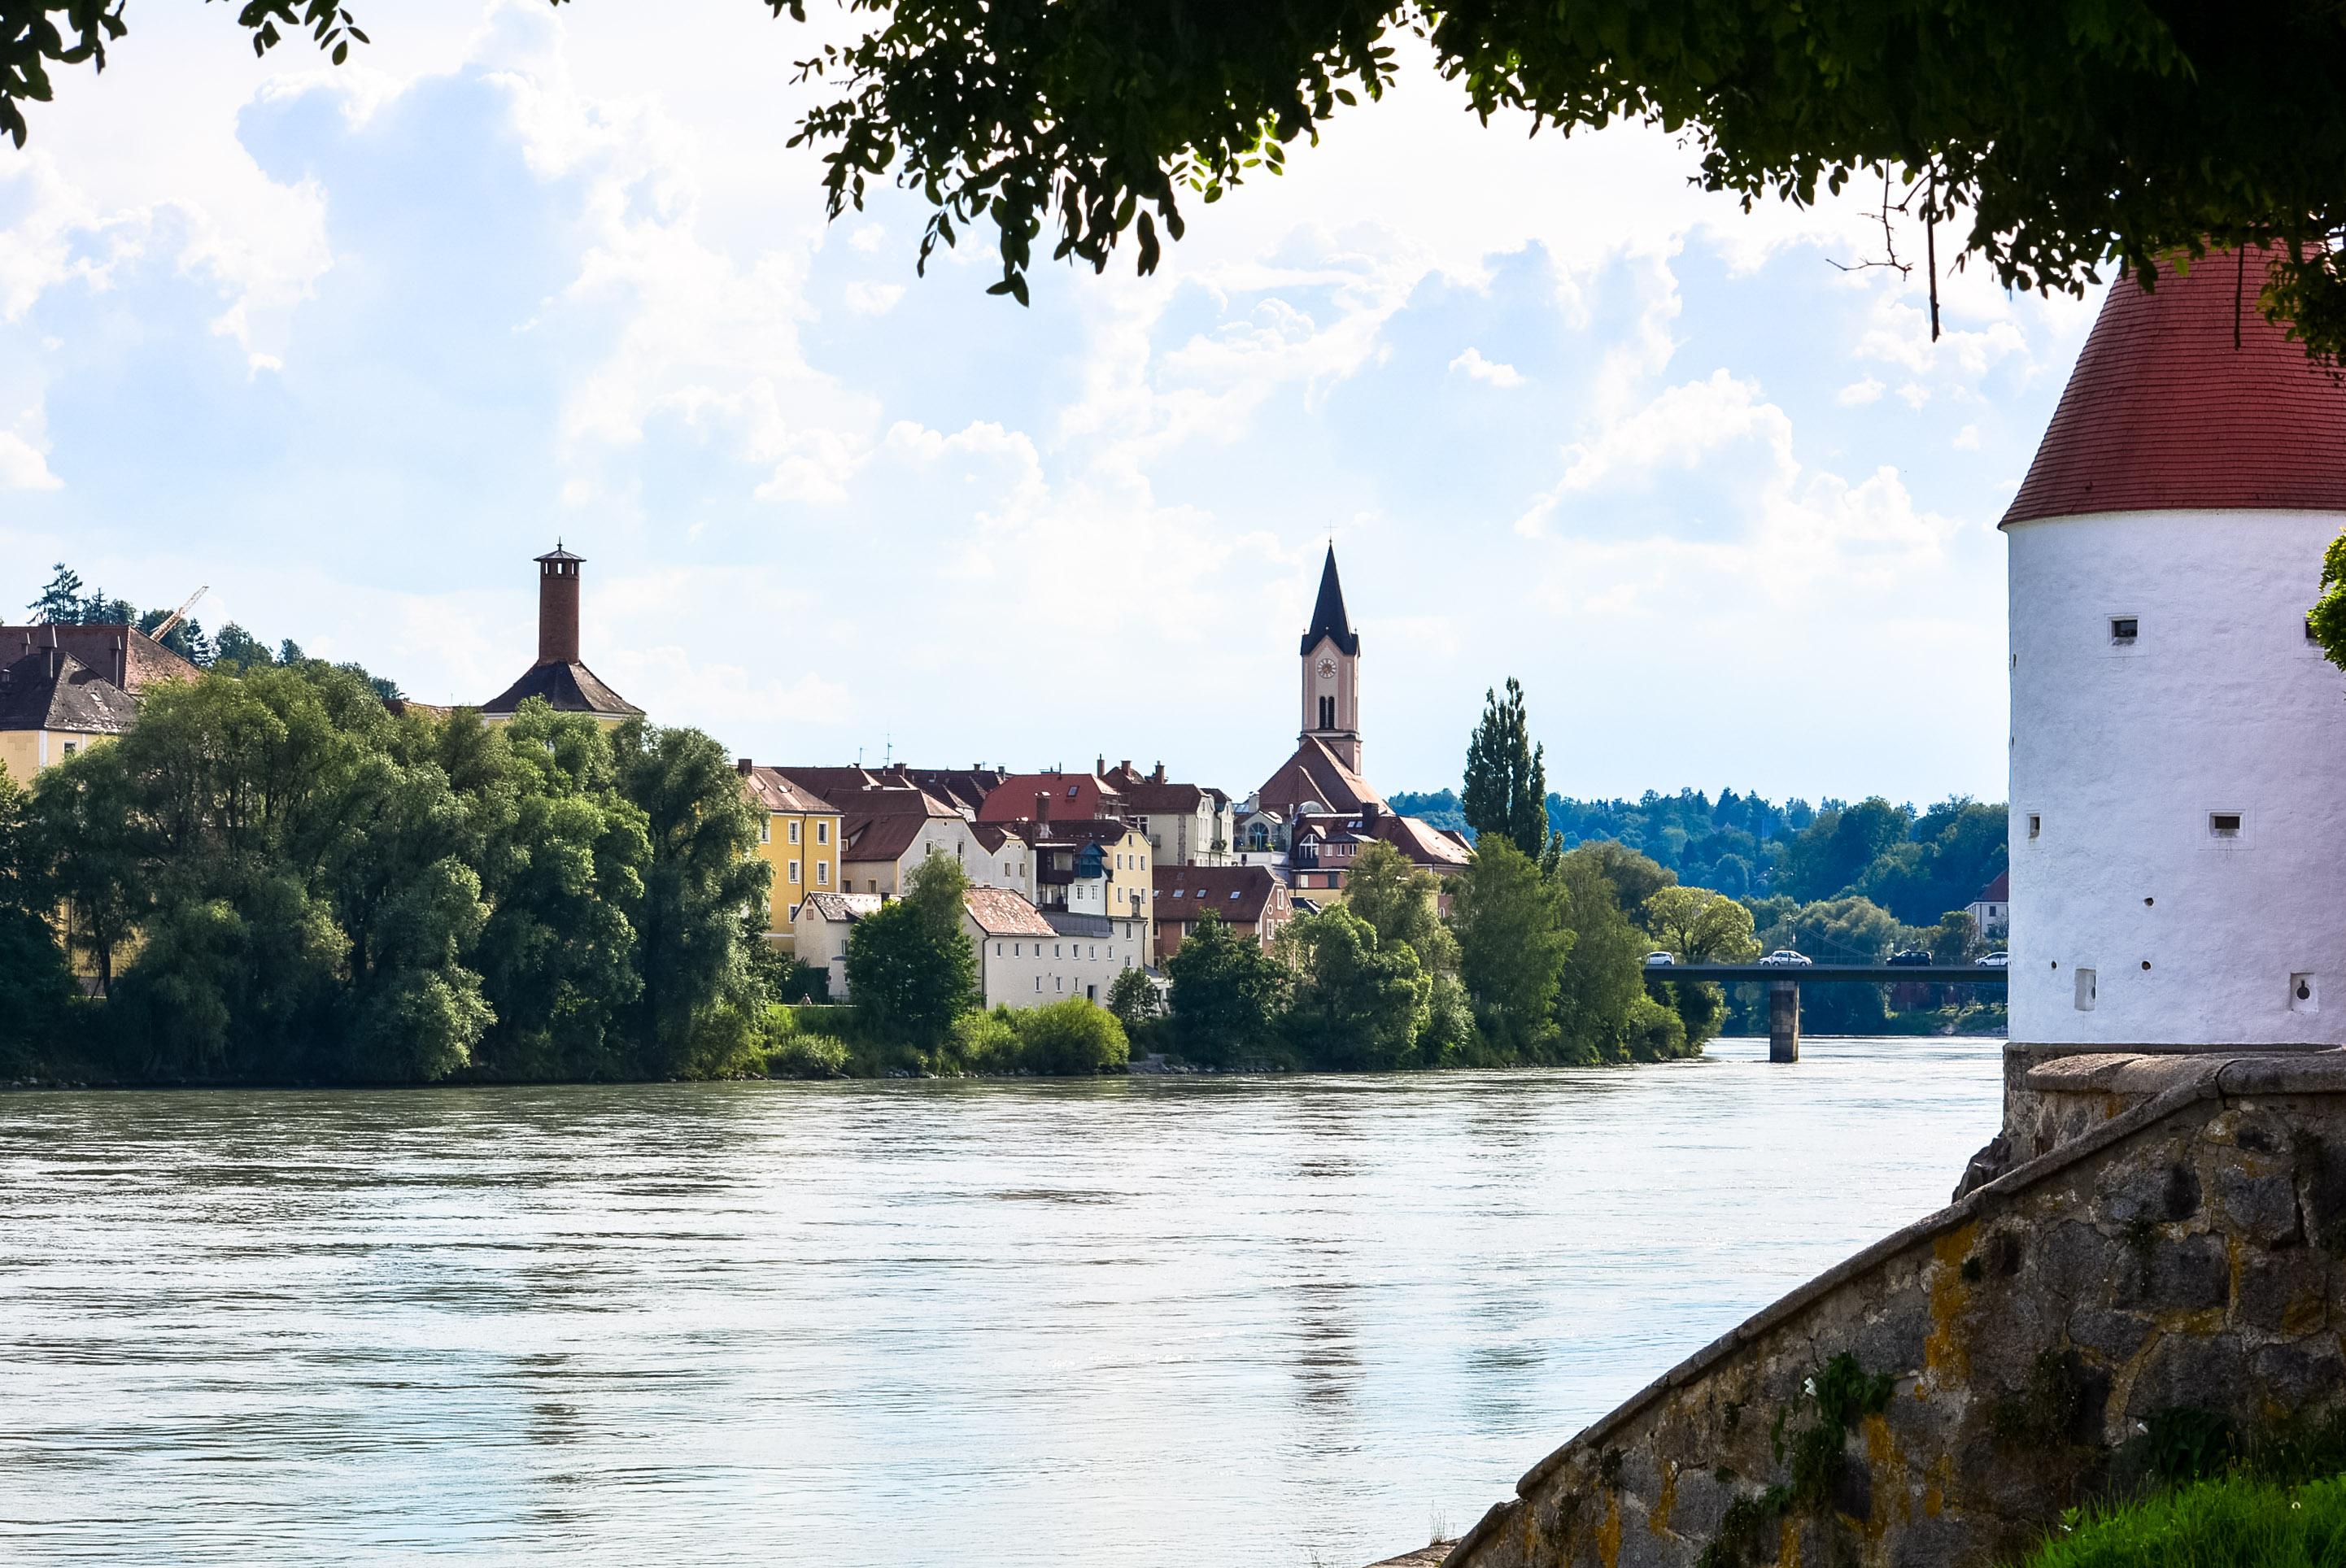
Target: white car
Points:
x,y
1656,960
1994,961
1784,955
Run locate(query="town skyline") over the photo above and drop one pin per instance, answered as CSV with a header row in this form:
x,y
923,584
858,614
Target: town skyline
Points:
x,y
1687,459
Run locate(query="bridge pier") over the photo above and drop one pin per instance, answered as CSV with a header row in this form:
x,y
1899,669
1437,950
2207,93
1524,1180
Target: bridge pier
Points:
x,y
1783,1021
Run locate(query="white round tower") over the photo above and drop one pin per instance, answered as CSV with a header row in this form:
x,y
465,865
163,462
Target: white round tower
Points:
x,y
2176,821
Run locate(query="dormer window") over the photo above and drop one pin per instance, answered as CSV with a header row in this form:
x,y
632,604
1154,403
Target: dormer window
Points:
x,y
2122,630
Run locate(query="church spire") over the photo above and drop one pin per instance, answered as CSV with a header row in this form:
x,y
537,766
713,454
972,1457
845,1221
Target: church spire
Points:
x,y
1327,616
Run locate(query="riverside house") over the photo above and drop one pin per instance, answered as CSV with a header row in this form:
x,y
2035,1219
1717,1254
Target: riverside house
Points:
x,y
1249,899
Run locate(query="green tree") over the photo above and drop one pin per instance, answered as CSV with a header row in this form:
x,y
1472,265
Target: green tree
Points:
x,y
1133,999
1700,926
58,604
910,969
1828,856
35,982
1512,945
83,835
1402,903
1604,974
562,856
1635,877
1070,1038
237,650
1227,992
1356,1003
1839,930
702,885
1506,774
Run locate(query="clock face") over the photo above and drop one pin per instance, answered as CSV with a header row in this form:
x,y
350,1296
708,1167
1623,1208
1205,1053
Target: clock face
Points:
x,y
1327,669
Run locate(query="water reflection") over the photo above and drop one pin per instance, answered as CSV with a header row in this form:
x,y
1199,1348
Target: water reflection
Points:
x,y
1143,1321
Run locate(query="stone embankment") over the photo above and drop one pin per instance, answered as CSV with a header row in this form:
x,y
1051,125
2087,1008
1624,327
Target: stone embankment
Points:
x,y
2152,1233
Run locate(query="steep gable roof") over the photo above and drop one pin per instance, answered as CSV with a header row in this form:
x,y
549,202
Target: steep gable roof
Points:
x,y
848,907
1074,795
145,660
2164,413
51,689
773,792
1316,773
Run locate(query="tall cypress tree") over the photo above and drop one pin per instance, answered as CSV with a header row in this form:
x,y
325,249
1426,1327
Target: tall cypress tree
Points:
x,y
1506,774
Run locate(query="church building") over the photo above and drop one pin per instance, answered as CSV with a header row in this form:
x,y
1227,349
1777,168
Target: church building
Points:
x,y
1317,806
2175,728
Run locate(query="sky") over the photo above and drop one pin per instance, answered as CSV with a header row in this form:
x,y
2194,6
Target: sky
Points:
x,y
350,346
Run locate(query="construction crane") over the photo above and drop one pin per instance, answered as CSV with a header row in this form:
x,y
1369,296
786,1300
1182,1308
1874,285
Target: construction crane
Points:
x,y
160,632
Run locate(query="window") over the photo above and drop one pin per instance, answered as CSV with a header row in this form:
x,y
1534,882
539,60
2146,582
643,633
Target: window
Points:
x,y
823,832
1057,983
1038,983
1111,950
1071,791
794,870
2035,824
2224,824
1327,713
2122,630
1095,951
1234,893
1018,950
69,748
765,830
2085,989
822,873
794,830
1054,950
794,910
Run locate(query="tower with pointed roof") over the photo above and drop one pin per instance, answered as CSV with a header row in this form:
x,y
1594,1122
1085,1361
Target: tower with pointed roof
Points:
x,y
560,677
1332,673
2174,726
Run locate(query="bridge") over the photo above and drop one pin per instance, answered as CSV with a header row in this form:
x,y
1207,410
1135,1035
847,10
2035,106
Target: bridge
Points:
x,y
1784,982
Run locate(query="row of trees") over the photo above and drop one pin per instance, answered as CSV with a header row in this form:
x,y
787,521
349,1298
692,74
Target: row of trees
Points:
x,y
67,601
1915,864
274,877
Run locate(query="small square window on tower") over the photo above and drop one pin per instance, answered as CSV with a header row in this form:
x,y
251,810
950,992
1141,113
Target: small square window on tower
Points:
x,y
2223,824
2035,824
2122,630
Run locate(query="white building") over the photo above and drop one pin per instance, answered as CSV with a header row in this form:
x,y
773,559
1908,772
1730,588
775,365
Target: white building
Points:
x,y
1991,912
1024,960
2175,812
819,931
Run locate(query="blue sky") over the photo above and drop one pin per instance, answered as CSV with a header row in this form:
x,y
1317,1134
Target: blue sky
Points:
x,y
351,346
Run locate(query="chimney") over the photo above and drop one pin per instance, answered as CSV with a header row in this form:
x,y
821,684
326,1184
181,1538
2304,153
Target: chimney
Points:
x,y
53,650
121,666
743,765
1124,767
1369,815
1159,778
557,607
1042,805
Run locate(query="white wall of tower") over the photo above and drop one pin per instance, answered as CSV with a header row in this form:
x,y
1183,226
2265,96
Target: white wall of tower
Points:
x,y
2121,755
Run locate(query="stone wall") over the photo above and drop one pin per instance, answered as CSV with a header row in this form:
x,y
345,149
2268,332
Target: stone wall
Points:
x,y
1943,1395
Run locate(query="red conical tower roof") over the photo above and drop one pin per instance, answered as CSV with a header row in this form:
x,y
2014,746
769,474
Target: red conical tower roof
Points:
x,y
2163,413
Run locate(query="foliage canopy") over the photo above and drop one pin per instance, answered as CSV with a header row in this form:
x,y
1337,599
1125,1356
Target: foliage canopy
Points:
x,y
2062,137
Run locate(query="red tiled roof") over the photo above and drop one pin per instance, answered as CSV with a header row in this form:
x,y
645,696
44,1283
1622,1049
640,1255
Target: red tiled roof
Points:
x,y
2163,413
1999,891
146,660
1236,893
1072,795
1316,773
999,911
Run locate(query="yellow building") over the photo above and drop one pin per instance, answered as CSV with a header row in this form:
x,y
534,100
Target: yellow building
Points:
x,y
798,835
52,705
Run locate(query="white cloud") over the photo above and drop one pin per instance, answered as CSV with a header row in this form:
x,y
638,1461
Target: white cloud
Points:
x,y
1473,362
873,298
1859,394
23,465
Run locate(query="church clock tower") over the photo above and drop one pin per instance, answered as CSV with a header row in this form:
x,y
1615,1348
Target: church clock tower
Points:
x,y
1332,673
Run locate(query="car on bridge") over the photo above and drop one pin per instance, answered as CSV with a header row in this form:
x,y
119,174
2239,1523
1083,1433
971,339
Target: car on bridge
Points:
x,y
1910,957
1994,961
1656,959
1785,955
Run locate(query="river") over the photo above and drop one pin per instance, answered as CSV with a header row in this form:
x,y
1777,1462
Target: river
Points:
x,y
1146,1321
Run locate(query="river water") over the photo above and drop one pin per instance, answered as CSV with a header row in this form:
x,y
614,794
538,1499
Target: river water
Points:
x,y
1139,1321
